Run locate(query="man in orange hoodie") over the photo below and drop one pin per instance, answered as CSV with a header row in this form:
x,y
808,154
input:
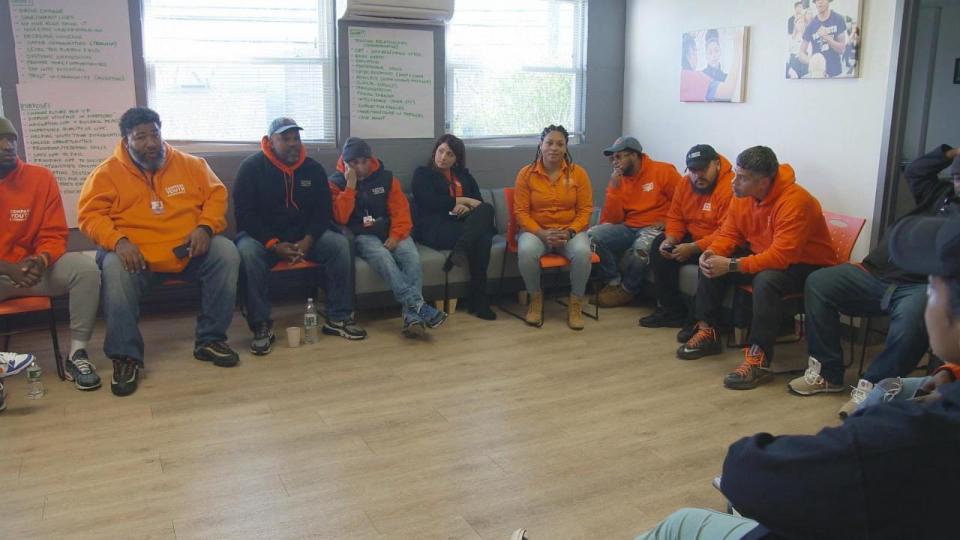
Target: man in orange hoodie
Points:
x,y
156,213
635,209
368,200
698,208
773,237
33,257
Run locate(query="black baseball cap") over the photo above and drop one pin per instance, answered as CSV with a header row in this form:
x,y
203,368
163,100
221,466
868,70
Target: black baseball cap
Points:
x,y
700,156
927,245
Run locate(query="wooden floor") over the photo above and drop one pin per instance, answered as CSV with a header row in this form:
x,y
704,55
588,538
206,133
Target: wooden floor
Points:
x,y
480,429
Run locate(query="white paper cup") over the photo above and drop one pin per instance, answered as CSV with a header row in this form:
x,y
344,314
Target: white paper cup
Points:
x,y
293,336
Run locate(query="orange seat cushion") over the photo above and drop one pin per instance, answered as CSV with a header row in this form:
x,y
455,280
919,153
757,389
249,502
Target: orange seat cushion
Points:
x,y
26,304
283,266
555,260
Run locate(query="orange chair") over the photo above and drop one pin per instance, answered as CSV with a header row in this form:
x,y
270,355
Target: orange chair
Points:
x,y
33,304
549,261
844,232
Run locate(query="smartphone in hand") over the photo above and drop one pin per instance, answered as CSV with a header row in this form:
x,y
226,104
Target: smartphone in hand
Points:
x,y
182,251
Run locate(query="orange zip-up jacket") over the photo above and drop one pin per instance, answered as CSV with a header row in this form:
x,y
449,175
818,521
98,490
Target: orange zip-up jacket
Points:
x,y
643,199
787,227
564,204
401,223
698,214
31,211
115,203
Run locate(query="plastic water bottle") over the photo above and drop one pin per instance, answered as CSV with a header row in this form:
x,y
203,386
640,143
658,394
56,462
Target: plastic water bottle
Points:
x,y
34,385
311,320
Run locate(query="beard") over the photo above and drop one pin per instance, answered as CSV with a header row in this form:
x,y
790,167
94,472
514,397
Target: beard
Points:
x,y
704,190
149,164
7,167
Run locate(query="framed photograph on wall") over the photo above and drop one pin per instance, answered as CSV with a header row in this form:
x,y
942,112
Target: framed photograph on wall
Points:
x,y
713,65
824,38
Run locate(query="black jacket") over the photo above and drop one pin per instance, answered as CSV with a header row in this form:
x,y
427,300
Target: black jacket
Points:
x,y
890,471
932,195
259,201
432,196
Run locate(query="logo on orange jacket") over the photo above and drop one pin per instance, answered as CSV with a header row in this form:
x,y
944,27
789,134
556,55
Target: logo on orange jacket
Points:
x,y
707,207
19,214
176,189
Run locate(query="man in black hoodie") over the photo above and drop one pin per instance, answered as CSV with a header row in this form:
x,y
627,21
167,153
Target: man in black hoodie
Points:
x,y
878,286
283,208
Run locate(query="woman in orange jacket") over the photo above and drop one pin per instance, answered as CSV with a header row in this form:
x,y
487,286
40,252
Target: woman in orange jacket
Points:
x,y
553,201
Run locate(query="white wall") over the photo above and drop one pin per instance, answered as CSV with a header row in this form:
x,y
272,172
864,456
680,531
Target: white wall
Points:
x,y
944,122
829,130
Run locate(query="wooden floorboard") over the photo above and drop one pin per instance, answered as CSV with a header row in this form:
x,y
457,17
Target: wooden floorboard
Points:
x,y
481,428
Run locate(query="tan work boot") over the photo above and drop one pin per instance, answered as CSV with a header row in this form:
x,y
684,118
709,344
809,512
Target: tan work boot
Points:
x,y
574,313
535,309
614,296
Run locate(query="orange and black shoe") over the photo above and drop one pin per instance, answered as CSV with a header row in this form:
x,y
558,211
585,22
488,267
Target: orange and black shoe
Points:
x,y
705,342
753,370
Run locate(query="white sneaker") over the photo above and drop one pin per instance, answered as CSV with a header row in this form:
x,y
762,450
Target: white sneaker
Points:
x,y
811,382
857,397
13,363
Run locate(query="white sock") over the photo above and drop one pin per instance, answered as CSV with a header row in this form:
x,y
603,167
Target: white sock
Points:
x,y
76,345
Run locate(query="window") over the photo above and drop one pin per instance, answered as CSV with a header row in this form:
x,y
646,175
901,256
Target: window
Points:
x,y
515,66
221,70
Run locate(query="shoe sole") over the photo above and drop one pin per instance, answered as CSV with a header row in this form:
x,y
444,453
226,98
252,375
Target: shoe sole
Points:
x,y
217,361
262,352
815,392
747,386
697,354
436,324
414,330
120,393
341,333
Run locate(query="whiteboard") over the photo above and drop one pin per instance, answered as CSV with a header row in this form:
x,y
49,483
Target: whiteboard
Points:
x,y
391,83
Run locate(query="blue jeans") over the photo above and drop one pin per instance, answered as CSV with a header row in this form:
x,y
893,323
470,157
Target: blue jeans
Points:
x,y
400,268
893,389
700,524
577,250
633,244
852,291
216,271
331,249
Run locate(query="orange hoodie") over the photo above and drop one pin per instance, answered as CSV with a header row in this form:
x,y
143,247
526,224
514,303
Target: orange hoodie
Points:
x,y
787,227
398,207
698,214
115,203
643,199
564,204
31,211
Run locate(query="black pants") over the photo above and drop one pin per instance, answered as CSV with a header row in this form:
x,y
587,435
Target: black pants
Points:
x,y
474,235
769,287
666,276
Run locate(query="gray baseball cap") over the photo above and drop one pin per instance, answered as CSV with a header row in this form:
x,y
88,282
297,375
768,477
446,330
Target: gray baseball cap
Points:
x,y
624,143
279,125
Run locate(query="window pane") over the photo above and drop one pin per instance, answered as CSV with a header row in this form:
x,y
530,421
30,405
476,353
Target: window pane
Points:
x,y
220,70
515,66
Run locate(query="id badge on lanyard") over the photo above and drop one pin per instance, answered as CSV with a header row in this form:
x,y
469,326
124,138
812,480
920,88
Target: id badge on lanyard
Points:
x,y
157,206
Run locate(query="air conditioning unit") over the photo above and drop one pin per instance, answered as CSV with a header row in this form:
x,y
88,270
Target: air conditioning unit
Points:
x,y
411,11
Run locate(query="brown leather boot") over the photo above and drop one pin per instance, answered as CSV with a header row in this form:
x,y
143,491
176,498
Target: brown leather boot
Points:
x,y
574,313
535,309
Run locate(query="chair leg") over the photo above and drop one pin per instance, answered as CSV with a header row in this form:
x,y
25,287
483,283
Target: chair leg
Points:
x,y
446,292
863,348
500,306
57,355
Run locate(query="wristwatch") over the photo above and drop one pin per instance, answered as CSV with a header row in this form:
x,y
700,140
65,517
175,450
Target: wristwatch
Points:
x,y
734,264
571,233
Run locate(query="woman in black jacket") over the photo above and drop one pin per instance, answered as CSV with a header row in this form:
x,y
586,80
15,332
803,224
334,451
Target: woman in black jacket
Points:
x,y
451,215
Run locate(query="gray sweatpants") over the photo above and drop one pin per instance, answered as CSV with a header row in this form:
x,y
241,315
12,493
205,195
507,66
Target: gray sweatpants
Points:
x,y
76,274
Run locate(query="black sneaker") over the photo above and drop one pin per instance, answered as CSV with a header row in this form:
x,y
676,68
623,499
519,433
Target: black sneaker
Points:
x,y
126,375
82,372
347,329
3,398
263,338
687,332
705,342
217,352
662,318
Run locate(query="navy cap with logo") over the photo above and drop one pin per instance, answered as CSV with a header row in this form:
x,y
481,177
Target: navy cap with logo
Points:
x,y
624,143
700,156
927,245
279,125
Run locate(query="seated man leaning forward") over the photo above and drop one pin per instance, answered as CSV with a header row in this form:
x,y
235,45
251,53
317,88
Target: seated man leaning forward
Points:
x,y
33,257
282,203
634,212
156,213
367,199
773,237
